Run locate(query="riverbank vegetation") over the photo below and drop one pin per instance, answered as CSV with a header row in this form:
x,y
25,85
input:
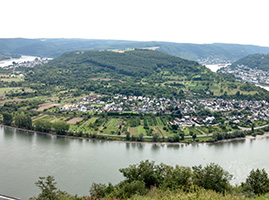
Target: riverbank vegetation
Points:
x,y
148,180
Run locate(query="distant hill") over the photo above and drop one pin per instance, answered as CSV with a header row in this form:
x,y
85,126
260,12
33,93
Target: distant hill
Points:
x,y
254,61
137,72
5,57
203,53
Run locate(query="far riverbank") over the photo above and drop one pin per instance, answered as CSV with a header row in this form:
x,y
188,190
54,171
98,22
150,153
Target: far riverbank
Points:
x,y
115,138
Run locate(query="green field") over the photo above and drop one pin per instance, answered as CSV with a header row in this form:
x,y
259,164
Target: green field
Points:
x,y
3,90
15,79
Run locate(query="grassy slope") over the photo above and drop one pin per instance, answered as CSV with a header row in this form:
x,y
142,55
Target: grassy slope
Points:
x,y
200,194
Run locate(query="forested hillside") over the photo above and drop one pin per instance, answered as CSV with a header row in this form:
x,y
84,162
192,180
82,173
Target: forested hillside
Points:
x,y
137,72
204,53
254,61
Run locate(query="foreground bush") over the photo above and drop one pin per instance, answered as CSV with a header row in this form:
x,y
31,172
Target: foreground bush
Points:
x,y
147,180
193,194
142,177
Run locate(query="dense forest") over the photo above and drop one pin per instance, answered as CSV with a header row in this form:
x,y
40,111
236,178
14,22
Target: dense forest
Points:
x,y
254,61
7,56
199,52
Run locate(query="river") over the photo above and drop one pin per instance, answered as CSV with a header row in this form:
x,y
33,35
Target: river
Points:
x,y
216,67
77,163
4,63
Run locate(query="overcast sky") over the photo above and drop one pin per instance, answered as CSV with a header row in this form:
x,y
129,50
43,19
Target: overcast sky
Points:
x,y
190,21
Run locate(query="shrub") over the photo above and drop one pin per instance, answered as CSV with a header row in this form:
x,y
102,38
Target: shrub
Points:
x,y
257,182
212,177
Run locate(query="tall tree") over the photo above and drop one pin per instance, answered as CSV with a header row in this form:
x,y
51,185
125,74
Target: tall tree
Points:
x,y
60,127
7,118
257,182
23,121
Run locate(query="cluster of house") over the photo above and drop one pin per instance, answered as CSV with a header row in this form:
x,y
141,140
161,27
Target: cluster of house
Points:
x,y
190,120
212,61
35,62
245,110
248,74
120,103
189,109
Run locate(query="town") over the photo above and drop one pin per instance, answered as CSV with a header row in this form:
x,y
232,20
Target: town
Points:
x,y
247,74
195,112
35,62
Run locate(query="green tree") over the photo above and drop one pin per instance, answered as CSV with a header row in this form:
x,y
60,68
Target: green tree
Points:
x,y
212,177
49,191
128,136
23,121
155,137
257,182
60,127
194,136
47,185
7,118
182,136
146,171
140,137
43,125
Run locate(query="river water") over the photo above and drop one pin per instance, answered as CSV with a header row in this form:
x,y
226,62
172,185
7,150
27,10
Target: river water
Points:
x,y
77,163
4,63
216,67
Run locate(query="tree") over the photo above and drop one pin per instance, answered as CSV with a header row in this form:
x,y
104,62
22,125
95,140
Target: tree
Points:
x,y
182,136
146,171
155,137
23,121
128,136
47,185
140,137
257,182
60,127
49,191
43,125
194,136
212,177
7,118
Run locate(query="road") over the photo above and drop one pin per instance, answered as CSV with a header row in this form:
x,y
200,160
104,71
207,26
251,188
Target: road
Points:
x,y
255,128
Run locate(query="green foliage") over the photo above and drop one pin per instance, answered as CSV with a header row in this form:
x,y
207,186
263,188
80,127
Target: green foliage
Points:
x,y
98,190
130,189
212,177
140,137
49,191
146,171
155,137
60,127
128,136
47,185
257,182
136,72
43,125
149,181
254,61
23,121
178,177
55,47
226,135
7,118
